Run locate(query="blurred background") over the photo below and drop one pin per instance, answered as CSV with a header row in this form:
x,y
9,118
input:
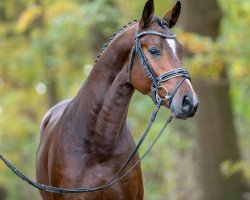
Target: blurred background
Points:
x,y
47,49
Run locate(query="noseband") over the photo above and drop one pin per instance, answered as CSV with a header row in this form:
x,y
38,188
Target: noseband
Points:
x,y
179,72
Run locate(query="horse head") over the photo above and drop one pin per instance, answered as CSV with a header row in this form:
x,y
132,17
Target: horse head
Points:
x,y
156,63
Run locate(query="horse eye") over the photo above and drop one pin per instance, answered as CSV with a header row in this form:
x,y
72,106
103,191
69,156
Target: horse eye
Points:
x,y
154,52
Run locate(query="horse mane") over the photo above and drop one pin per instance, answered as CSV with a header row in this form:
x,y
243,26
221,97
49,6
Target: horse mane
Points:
x,y
113,37
155,19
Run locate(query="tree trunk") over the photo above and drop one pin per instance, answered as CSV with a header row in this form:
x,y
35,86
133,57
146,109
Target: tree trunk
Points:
x,y
217,141
97,38
202,17
3,193
51,80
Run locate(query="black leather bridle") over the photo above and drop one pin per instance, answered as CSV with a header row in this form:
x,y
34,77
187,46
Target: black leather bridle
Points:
x,y
179,72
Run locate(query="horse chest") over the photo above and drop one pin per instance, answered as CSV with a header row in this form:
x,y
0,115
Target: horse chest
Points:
x,y
90,176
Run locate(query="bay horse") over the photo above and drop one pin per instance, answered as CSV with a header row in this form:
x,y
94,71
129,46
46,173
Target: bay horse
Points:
x,y
84,141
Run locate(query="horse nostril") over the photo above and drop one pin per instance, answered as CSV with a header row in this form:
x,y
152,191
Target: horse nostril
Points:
x,y
186,104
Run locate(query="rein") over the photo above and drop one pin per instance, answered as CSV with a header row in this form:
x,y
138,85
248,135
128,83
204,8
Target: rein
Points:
x,y
113,180
180,72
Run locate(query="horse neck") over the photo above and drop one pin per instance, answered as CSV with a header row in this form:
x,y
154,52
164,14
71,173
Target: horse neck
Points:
x,y
104,99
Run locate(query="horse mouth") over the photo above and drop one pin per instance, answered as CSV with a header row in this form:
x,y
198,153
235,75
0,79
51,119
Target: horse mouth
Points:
x,y
183,115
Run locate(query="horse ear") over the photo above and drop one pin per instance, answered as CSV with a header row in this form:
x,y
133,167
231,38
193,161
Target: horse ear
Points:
x,y
172,16
148,14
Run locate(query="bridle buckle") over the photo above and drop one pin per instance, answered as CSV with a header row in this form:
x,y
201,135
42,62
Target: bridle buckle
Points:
x,y
167,96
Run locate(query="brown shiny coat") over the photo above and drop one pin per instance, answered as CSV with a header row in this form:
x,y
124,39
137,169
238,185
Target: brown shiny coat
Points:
x,y
84,141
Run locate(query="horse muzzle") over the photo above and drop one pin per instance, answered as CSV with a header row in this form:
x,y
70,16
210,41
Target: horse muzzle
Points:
x,y
186,108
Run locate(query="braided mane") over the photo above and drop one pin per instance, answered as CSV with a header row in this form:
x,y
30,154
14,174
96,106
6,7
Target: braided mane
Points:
x,y
155,19
113,37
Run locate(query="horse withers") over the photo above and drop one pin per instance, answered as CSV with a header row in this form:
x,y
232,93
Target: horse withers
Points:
x,y
86,140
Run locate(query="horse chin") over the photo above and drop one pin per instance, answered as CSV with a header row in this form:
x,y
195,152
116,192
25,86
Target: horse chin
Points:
x,y
178,115
174,113
178,112
181,115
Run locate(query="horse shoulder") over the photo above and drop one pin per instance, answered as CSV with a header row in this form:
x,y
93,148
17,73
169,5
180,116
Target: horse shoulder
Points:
x,y
53,115
48,123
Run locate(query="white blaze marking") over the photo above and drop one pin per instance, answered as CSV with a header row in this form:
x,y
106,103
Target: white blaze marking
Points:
x,y
172,45
192,89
